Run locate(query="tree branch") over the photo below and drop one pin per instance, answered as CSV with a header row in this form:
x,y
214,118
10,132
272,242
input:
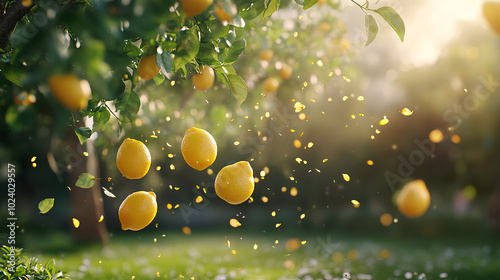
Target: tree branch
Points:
x,y
10,17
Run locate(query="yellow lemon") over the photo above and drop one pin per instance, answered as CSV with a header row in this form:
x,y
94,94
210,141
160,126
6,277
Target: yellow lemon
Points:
x,y
195,7
270,85
70,91
286,72
491,11
198,148
148,68
204,80
133,159
414,199
223,14
235,183
266,55
137,210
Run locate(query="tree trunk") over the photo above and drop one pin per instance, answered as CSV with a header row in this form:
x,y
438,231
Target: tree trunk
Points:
x,y
87,204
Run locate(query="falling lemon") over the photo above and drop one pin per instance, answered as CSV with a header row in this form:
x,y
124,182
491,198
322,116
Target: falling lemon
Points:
x,y
70,91
414,199
235,183
133,159
137,210
198,148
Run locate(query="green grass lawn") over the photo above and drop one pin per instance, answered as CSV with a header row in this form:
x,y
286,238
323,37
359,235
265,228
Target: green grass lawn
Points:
x,y
207,255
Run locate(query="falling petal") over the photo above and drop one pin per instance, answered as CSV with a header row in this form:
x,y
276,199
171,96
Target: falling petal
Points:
x,y
76,223
108,193
406,112
347,178
384,121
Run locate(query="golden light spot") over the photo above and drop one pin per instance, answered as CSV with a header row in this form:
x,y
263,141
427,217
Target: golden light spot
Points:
x,y
347,79
344,98
338,257
210,171
186,230
361,98
369,162
234,223
33,164
33,159
101,219
294,191
278,225
319,62
384,254
384,121
289,264
302,116
305,84
302,216
406,112
76,223
310,144
283,189
303,242
264,199
172,167
236,143
295,34
255,246
169,206
170,155
470,192
456,139
355,203
353,117
172,83
292,244
233,252
299,107
299,160
158,168
352,255
273,213
436,136
262,173
386,219
199,199
346,177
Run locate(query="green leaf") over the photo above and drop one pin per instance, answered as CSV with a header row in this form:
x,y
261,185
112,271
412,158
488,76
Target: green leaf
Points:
x,y
207,54
45,205
238,87
371,26
187,48
300,2
309,3
85,181
14,74
101,117
272,7
164,62
83,134
132,50
214,29
128,104
392,17
159,79
236,50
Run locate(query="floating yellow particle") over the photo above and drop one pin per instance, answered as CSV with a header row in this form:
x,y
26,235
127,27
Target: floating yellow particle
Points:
x,y
386,219
33,159
303,242
264,199
299,107
302,216
436,136
172,167
361,98
406,112
299,160
233,252
236,143
101,219
199,199
310,144
33,164
302,116
345,98
369,162
278,225
76,223
169,206
346,177
325,160
234,223
456,139
255,246
273,213
384,121
186,230
294,191
355,203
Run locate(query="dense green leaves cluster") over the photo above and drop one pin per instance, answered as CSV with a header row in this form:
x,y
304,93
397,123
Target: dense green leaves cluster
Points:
x,y
103,41
12,268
